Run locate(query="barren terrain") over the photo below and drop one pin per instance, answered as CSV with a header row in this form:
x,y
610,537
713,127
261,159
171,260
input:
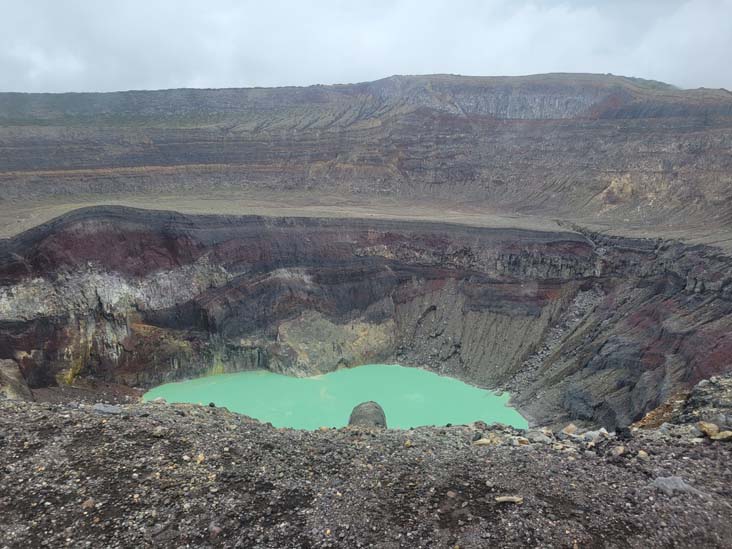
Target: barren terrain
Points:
x,y
566,237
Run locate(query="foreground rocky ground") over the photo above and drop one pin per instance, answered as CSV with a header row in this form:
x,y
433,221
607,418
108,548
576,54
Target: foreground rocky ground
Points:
x,y
159,475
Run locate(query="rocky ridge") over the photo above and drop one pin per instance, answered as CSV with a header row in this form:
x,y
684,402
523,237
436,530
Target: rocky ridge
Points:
x,y
182,476
605,150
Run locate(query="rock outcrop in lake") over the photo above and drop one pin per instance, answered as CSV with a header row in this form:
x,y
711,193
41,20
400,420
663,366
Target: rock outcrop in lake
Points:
x,y
368,414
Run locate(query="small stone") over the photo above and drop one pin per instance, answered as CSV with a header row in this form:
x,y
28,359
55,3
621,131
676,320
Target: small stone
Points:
x,y
490,439
670,485
643,455
538,437
106,408
407,443
594,436
89,503
617,451
214,530
211,405
522,441
510,499
723,436
484,442
709,429
570,429
200,458
451,494
158,432
186,457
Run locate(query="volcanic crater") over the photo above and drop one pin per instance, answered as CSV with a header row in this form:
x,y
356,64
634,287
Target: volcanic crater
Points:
x,y
563,237
579,326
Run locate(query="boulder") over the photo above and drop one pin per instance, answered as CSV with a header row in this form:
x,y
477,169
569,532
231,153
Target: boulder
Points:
x,y
723,435
538,437
368,414
671,485
12,383
101,408
708,428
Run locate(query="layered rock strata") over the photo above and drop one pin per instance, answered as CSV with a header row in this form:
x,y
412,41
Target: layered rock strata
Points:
x,y
142,297
603,148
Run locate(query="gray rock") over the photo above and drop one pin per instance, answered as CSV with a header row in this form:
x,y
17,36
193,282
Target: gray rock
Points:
x,y
593,436
106,409
538,437
671,485
368,414
723,420
12,384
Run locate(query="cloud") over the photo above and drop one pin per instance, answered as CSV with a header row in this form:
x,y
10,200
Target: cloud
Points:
x,y
80,45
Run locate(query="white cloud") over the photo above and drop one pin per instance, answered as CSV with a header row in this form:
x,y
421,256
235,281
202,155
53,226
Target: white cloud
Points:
x,y
75,45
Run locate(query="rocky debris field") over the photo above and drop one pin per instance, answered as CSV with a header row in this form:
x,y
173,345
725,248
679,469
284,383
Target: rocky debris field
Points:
x,y
159,475
710,401
581,306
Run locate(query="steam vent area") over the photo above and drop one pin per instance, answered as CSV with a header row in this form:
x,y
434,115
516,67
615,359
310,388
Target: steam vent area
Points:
x,y
430,311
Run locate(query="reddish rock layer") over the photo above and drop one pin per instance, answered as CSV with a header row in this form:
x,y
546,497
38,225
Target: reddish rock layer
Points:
x,y
140,297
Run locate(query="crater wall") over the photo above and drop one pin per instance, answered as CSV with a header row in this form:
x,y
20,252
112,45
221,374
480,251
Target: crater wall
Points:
x,y
599,148
140,297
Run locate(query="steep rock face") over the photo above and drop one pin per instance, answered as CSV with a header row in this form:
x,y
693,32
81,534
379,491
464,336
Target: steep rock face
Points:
x,y
141,297
663,325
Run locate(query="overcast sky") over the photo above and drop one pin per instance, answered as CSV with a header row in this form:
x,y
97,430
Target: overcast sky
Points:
x,y
102,45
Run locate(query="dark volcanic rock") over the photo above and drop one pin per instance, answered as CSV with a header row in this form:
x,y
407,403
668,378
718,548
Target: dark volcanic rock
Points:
x,y
138,297
368,414
711,401
250,292
181,475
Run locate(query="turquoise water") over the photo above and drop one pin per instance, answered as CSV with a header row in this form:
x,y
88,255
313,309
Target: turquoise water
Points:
x,y
409,396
